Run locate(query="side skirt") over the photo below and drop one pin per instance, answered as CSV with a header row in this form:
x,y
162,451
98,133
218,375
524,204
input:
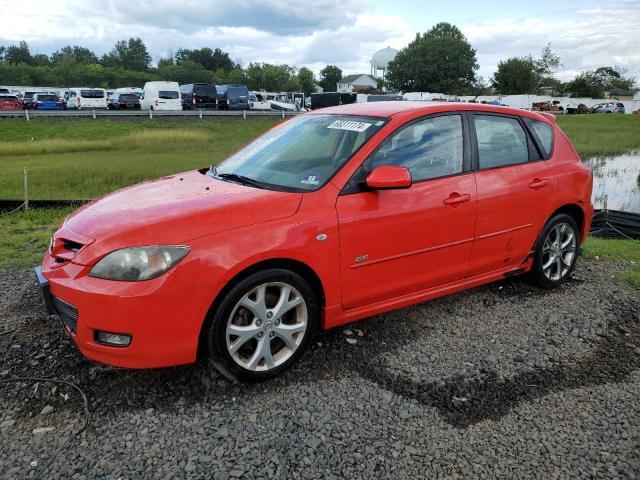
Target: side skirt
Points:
x,y
336,315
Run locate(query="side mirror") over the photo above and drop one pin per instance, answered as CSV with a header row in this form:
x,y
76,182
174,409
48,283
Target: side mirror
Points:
x,y
388,177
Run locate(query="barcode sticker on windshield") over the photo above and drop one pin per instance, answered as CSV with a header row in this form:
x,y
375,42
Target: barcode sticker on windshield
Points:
x,y
350,125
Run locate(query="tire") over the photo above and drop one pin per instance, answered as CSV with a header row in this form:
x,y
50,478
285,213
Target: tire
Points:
x,y
553,262
271,342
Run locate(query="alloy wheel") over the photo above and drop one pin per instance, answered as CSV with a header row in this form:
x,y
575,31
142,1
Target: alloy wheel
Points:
x,y
558,251
266,326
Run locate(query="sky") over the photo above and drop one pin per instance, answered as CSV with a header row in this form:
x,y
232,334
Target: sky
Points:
x,y
585,34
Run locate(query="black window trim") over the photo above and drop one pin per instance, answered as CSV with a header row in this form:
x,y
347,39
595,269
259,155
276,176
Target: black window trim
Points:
x,y
354,185
531,144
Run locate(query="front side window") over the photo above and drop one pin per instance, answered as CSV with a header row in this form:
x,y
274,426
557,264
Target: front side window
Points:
x,y
302,154
429,148
501,141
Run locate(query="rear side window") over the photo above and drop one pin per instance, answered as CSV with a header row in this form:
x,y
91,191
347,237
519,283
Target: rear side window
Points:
x,y
429,148
544,134
501,141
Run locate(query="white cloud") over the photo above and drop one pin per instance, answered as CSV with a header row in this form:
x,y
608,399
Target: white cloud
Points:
x,y
343,32
585,40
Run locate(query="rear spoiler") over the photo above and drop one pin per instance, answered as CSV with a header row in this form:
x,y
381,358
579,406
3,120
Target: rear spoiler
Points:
x,y
550,116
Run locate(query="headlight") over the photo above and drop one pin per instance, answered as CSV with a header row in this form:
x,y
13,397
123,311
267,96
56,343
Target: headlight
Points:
x,y
138,263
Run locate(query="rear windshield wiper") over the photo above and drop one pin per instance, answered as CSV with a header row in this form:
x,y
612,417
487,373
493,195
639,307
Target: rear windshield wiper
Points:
x,y
234,177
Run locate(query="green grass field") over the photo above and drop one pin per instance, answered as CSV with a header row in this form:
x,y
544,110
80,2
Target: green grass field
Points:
x,y
84,158
602,133
627,251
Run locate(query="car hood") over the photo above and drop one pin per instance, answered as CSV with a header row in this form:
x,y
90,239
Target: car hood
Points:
x,y
173,210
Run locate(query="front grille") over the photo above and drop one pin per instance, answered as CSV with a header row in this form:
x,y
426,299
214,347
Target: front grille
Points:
x,y
68,313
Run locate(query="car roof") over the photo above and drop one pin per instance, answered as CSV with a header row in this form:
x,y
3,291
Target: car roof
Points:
x,y
419,108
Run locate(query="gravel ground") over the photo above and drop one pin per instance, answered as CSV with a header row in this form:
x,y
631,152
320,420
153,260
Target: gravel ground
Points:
x,y
502,381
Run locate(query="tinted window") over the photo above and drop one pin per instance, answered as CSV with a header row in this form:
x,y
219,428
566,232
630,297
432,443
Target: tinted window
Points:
x,y
48,98
92,93
128,97
544,132
8,98
501,141
205,90
237,91
168,95
429,148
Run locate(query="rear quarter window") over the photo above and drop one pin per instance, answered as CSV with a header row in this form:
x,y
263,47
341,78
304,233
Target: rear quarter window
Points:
x,y
544,135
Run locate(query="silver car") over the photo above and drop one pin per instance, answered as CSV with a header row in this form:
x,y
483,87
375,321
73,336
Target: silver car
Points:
x,y
610,107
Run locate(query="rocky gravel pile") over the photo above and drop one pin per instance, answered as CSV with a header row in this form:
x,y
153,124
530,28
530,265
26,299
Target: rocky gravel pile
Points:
x,y
502,381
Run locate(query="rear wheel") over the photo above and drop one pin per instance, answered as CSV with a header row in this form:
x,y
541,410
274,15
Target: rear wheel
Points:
x,y
556,252
262,325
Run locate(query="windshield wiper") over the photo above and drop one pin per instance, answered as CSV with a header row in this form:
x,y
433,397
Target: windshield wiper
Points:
x,y
234,177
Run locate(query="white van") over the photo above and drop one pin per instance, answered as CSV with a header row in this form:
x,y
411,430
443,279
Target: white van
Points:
x,y
77,98
161,96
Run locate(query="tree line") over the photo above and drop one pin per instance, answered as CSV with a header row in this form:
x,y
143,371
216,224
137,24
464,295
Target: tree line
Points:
x,y
443,60
128,64
439,60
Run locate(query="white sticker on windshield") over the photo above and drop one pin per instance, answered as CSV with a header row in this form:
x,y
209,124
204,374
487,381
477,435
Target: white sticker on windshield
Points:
x,y
311,180
350,125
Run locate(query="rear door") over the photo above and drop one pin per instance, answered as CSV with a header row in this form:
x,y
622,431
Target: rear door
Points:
x,y
514,187
396,242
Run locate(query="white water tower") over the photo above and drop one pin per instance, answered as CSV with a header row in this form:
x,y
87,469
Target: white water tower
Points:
x,y
381,59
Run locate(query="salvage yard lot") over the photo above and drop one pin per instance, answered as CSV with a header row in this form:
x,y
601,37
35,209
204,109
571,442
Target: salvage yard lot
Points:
x,y
82,159
505,380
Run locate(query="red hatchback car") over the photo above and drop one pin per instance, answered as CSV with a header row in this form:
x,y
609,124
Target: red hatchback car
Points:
x,y
10,102
330,217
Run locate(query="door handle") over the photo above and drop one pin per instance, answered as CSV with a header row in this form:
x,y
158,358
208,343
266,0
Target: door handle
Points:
x,y
456,198
539,183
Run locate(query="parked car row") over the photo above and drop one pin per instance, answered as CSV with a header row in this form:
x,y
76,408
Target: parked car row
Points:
x,y
156,95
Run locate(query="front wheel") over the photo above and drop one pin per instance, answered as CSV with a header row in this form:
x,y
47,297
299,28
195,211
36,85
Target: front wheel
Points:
x,y
556,252
262,325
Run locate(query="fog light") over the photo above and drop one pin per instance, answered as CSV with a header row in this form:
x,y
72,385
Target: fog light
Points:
x,y
113,339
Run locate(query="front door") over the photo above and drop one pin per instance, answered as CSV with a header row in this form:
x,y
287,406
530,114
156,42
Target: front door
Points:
x,y
396,242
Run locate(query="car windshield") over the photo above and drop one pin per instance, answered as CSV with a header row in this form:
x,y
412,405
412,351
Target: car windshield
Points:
x,y
168,95
92,93
128,97
301,154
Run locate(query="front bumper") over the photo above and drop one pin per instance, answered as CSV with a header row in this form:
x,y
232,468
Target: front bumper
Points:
x,y
163,316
